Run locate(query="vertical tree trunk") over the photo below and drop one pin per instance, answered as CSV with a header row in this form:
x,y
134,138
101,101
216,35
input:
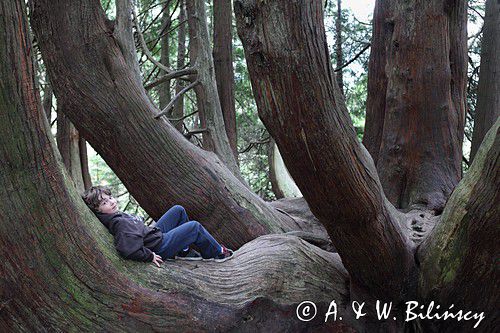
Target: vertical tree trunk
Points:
x,y
47,98
420,123
73,151
215,138
124,36
178,111
282,183
223,64
488,96
164,88
338,46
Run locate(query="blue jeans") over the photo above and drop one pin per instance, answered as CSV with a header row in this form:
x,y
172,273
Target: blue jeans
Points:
x,y
179,233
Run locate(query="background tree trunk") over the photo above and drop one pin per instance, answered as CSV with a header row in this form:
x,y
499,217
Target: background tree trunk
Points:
x,y
112,111
488,96
215,138
282,183
164,88
338,46
178,111
416,133
73,151
223,65
124,36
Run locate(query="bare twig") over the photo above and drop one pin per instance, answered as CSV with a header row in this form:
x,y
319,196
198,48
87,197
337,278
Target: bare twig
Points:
x,y
353,59
183,117
144,46
254,143
176,98
169,76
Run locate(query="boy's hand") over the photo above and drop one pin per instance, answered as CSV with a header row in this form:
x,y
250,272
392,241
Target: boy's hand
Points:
x,y
157,259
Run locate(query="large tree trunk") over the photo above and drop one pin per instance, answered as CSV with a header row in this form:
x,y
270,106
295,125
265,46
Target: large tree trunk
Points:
x,y
214,138
488,98
112,111
458,260
416,107
303,110
59,271
223,65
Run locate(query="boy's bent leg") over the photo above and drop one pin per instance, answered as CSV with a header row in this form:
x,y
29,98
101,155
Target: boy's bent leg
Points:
x,y
173,218
186,234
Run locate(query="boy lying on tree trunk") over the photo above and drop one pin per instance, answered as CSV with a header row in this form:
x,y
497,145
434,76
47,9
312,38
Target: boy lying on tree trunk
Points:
x,y
170,238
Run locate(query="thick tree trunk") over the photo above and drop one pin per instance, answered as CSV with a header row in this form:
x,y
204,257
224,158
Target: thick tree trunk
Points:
x,y
416,107
304,112
178,111
223,65
164,88
215,138
488,96
111,111
59,271
458,260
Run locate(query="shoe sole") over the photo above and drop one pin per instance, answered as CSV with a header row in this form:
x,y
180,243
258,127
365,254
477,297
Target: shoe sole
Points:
x,y
189,259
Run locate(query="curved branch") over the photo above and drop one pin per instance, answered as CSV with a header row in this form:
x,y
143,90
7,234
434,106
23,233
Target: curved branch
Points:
x,y
176,98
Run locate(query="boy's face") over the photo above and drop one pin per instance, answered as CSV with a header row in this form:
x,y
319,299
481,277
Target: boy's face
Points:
x,y
108,204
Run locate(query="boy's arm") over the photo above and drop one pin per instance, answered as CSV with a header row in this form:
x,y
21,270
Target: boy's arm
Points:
x,y
131,246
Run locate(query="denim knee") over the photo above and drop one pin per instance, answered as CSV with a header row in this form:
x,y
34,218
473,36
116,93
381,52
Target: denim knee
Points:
x,y
178,207
193,224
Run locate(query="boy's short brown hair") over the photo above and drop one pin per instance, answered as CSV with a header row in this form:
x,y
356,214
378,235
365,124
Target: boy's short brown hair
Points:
x,y
93,196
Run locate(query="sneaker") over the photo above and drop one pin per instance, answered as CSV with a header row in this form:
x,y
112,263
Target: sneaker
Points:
x,y
188,255
225,255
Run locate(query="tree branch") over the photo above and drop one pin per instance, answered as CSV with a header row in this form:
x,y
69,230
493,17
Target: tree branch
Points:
x,y
354,58
172,75
176,97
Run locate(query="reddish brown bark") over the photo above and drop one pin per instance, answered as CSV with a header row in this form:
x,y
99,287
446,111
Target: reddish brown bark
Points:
x,y
285,47
111,110
223,65
60,273
416,107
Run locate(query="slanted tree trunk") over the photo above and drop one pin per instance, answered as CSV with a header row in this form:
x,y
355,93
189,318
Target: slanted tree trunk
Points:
x,y
223,65
60,273
178,110
285,46
416,107
164,88
488,98
47,99
73,151
111,110
214,138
